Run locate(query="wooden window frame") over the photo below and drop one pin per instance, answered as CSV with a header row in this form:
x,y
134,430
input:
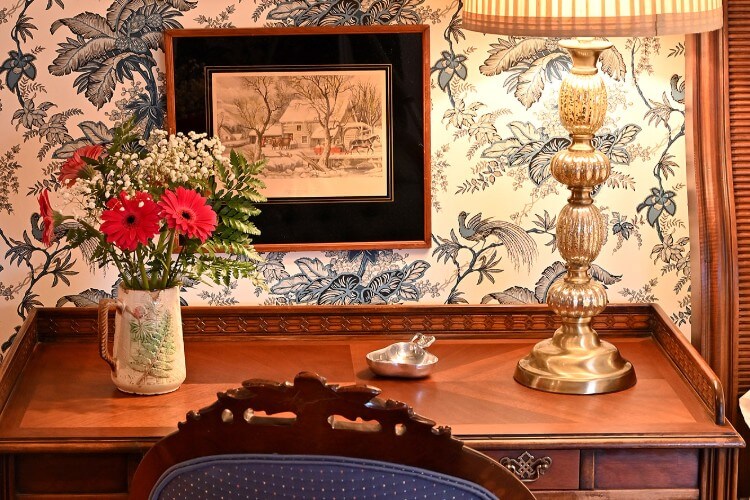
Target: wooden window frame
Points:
x,y
715,287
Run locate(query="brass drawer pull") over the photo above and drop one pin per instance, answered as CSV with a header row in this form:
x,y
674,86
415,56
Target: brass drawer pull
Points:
x,y
527,467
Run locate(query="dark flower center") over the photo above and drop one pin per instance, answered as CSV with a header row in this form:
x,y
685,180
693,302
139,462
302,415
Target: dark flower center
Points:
x,y
187,215
130,219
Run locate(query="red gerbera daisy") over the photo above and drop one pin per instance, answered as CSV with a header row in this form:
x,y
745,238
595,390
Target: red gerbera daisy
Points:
x,y
187,211
129,222
48,218
73,165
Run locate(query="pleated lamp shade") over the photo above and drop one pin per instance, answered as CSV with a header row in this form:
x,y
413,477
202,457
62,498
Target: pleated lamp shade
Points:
x,y
571,18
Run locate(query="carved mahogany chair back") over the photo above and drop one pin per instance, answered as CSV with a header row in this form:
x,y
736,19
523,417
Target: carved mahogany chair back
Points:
x,y
312,418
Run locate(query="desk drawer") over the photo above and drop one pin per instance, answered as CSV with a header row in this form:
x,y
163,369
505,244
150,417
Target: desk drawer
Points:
x,y
70,473
542,469
647,468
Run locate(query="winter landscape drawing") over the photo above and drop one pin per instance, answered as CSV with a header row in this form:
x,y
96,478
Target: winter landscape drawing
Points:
x,y
323,133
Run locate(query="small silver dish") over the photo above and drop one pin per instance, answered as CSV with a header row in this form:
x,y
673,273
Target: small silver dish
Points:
x,y
404,359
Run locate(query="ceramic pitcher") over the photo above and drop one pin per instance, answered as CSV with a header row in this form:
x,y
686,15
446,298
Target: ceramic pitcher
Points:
x,y
148,356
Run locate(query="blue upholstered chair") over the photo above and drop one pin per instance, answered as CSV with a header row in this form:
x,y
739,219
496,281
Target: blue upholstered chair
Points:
x,y
313,440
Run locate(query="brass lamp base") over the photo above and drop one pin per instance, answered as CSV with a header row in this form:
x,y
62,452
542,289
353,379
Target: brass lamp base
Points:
x,y
553,368
574,360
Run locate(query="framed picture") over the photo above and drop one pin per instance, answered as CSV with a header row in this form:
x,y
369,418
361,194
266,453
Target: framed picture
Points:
x,y
340,115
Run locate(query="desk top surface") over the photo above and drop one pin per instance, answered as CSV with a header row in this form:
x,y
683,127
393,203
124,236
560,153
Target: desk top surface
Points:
x,y
64,393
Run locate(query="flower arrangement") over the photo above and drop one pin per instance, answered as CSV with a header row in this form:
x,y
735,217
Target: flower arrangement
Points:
x,y
162,209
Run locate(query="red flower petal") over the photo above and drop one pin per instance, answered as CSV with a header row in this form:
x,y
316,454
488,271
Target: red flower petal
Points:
x,y
130,222
48,219
188,212
73,165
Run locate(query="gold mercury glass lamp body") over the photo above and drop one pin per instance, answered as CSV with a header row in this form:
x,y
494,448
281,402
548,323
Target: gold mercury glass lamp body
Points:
x,y
575,360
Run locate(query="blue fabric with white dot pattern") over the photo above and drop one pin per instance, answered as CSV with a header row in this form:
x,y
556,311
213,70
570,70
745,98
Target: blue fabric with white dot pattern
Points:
x,y
308,477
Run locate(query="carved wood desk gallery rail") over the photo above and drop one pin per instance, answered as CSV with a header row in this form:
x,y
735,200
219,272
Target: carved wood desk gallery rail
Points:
x,y
65,430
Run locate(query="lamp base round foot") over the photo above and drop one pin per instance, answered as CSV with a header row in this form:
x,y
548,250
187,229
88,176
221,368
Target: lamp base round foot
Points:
x,y
591,371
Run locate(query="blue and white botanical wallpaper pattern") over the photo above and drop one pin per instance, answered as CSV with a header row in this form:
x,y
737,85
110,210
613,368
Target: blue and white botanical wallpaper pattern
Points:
x,y
72,69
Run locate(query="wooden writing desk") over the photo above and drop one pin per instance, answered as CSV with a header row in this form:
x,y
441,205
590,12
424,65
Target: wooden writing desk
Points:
x,y
65,429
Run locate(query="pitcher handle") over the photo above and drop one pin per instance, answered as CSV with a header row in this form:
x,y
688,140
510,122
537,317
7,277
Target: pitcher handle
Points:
x,y
105,305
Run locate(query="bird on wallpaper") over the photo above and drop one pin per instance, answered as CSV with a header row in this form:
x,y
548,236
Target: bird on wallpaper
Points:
x,y
678,88
37,231
520,246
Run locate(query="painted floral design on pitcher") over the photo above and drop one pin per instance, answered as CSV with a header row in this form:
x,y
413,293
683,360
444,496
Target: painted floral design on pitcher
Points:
x,y
152,347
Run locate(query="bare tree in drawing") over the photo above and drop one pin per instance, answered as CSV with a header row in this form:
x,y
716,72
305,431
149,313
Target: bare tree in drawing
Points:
x,y
260,107
367,104
323,94
222,124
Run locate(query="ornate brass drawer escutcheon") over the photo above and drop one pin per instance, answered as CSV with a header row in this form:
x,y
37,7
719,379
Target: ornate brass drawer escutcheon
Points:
x,y
526,466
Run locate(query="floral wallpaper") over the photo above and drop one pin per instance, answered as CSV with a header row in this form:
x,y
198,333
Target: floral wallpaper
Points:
x,y
72,70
